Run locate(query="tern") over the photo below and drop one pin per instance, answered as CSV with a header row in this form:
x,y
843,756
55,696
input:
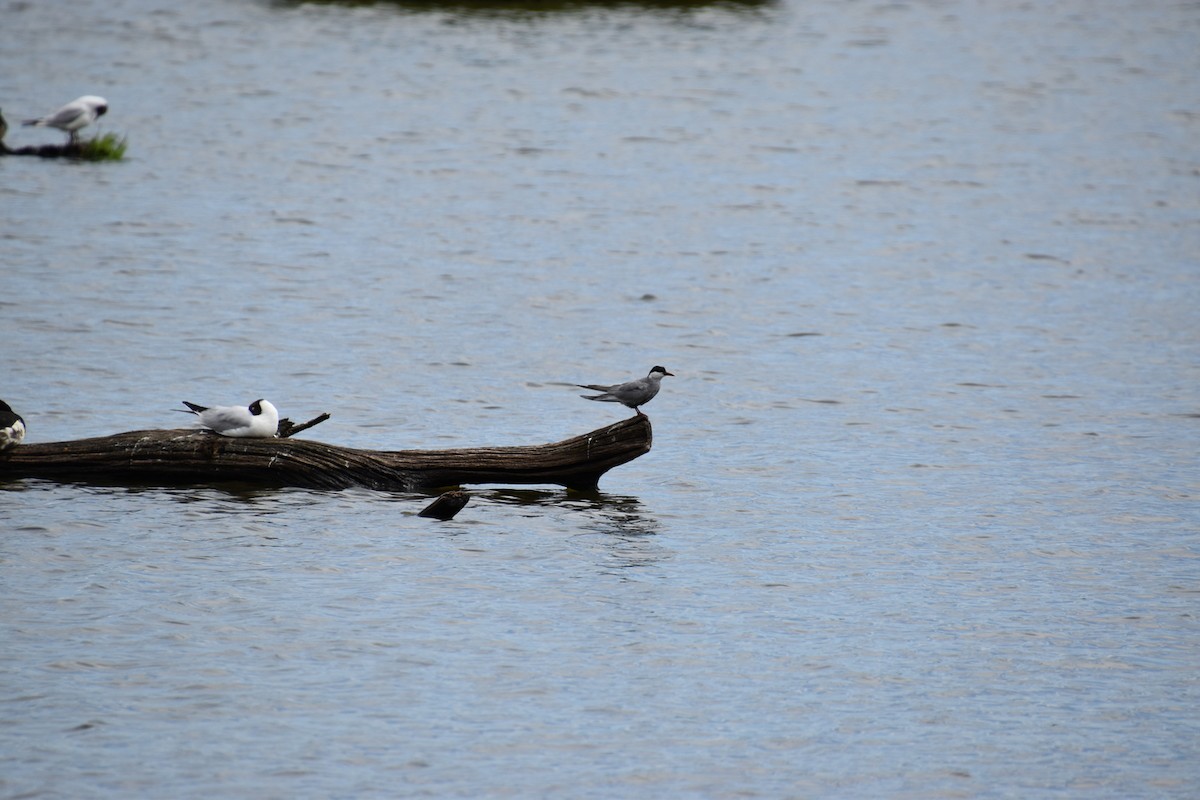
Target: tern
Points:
x,y
632,394
12,427
74,116
259,420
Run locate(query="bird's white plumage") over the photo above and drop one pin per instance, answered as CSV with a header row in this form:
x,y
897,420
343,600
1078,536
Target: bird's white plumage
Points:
x,y
259,420
12,427
75,115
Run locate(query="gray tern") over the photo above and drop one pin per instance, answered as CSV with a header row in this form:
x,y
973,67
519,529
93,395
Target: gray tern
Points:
x,y
259,420
73,116
631,394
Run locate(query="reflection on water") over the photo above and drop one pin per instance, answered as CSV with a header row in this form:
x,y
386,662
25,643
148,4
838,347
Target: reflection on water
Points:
x,y
617,527
605,532
618,515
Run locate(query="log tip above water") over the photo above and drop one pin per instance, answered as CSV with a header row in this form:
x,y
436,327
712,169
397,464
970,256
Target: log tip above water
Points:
x,y
446,506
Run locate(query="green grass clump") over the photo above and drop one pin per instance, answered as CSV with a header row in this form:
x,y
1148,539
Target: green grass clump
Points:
x,y
109,147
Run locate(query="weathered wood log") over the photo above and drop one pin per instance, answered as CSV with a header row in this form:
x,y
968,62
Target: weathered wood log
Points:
x,y
446,506
108,147
70,150
191,456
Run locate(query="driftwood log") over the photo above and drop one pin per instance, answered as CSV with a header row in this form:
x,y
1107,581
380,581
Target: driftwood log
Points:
x,y
45,150
191,456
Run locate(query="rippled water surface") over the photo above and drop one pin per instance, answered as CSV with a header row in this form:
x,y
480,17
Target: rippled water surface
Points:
x,y
921,515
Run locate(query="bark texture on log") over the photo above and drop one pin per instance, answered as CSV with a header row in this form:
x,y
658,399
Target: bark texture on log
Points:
x,y
190,456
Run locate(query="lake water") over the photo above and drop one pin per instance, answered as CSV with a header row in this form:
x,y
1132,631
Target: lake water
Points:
x,y
921,519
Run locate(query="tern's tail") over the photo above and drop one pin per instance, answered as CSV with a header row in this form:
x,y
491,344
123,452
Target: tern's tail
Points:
x,y
607,398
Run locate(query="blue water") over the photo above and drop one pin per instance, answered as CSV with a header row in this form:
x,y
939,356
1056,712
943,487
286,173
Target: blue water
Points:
x,y
921,515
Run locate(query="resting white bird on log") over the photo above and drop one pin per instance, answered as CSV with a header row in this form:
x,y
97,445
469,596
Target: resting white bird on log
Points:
x,y
259,420
12,427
